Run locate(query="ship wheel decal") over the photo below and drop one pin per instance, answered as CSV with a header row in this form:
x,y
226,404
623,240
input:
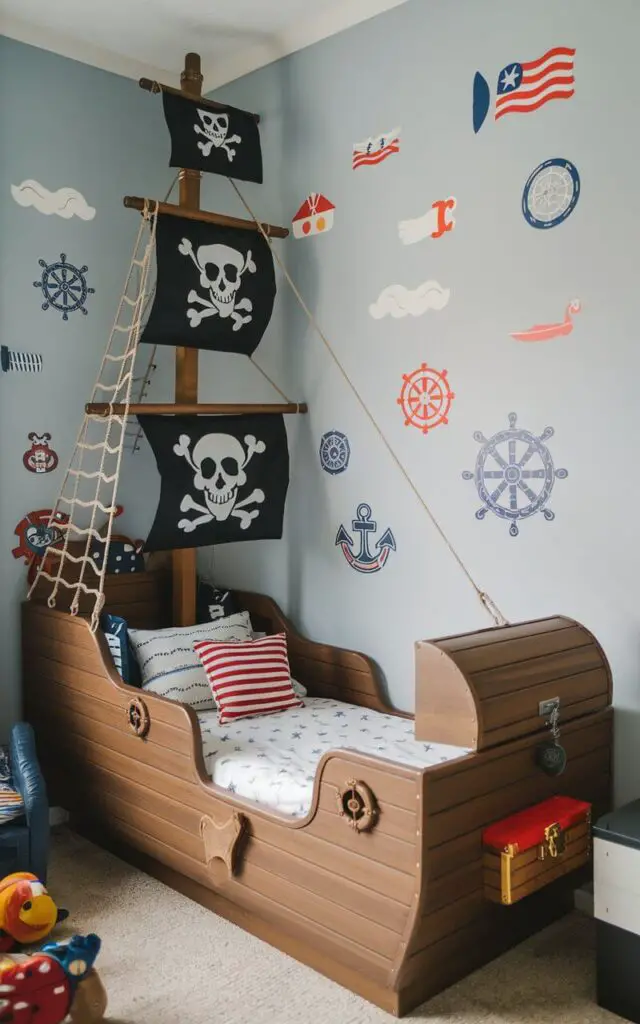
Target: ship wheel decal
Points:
x,y
64,286
425,398
334,452
515,474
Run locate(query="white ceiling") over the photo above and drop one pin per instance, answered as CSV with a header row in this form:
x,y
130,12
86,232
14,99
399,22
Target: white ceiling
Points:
x,y
149,38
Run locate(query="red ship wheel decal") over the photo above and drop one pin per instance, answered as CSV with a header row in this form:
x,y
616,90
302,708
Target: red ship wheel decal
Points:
x,y
425,398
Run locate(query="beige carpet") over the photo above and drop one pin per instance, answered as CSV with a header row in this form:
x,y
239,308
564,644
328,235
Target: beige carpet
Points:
x,y
166,960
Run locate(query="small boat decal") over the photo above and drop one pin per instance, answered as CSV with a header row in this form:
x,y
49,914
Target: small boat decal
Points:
x,y
545,332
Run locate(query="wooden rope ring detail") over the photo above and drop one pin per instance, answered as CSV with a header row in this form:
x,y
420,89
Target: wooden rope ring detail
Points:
x,y
138,717
357,804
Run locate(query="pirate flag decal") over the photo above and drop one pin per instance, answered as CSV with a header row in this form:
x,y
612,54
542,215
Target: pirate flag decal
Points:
x,y
225,141
223,478
215,287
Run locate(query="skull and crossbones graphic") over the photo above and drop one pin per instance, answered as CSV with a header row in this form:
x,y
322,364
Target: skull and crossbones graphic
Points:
x,y
218,462
215,128
221,271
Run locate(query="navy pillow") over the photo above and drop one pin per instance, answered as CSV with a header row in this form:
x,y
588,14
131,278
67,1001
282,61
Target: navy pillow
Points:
x,y
213,603
117,634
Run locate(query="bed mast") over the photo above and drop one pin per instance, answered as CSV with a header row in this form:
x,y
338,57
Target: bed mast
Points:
x,y
184,559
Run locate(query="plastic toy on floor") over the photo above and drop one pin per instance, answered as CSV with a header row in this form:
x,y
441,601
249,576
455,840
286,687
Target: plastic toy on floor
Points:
x,y
60,979
27,912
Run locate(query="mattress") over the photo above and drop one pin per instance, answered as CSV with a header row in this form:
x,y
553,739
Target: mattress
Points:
x,y
272,759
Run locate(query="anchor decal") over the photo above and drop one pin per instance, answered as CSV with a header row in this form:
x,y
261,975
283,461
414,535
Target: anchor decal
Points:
x,y
363,524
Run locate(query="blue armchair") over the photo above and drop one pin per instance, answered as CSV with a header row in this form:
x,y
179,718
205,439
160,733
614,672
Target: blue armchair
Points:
x,y
24,843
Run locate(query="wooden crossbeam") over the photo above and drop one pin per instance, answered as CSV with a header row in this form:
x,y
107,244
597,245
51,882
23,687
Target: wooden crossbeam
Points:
x,y
151,86
138,203
193,408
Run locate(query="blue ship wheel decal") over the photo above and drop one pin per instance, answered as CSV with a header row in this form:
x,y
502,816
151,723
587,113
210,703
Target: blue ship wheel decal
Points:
x,y
334,452
515,474
551,193
64,286
363,524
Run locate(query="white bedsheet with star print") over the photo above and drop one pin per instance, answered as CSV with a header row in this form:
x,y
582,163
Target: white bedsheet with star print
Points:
x,y
272,759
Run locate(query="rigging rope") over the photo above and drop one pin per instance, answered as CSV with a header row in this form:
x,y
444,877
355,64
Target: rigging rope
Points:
x,y
272,382
484,597
135,431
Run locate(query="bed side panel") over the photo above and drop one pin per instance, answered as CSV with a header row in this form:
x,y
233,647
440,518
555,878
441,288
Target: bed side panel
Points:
x,y
326,671
457,929
350,895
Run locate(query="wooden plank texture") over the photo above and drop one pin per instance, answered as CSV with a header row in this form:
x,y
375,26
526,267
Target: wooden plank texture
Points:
x,y
396,913
485,688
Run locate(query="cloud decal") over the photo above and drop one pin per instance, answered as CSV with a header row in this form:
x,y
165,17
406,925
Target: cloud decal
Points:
x,y
66,202
398,301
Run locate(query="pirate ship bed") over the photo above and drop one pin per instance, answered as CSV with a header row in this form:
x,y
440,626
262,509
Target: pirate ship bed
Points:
x,y
380,884
394,913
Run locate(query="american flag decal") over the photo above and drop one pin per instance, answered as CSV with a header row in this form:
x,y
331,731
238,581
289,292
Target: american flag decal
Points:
x,y
376,149
523,88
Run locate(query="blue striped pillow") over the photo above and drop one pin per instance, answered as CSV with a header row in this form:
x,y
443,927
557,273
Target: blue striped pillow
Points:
x,y
115,631
171,668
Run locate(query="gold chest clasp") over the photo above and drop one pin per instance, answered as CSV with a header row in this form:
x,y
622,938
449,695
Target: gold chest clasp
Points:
x,y
554,842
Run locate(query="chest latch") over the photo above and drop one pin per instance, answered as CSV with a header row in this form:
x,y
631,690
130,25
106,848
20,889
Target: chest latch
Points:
x,y
554,842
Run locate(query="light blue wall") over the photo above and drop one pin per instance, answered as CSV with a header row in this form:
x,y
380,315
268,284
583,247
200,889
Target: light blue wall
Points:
x,y
62,123
414,67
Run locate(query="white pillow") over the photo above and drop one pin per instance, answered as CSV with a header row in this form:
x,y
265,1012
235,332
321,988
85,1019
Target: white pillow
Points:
x,y
170,667
299,689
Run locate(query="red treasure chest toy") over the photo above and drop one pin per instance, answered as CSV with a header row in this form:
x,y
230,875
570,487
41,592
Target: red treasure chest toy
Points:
x,y
531,849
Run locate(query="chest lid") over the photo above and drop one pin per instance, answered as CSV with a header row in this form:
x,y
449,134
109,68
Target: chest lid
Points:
x,y
529,828
482,689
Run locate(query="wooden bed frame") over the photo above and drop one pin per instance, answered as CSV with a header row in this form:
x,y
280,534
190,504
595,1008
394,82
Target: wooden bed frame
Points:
x,y
396,913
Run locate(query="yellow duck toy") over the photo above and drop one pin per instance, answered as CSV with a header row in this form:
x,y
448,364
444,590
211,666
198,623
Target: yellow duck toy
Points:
x,y
27,912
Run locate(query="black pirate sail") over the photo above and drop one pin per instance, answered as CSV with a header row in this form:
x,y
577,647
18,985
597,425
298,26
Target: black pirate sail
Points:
x,y
223,478
224,465
215,287
219,141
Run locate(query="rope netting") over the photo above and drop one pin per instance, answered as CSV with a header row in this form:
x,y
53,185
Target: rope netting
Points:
x,y
89,490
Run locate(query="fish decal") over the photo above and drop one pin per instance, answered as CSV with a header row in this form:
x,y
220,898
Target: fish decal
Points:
x,y
545,332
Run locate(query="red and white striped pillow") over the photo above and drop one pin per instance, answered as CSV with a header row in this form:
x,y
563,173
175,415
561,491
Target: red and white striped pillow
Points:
x,y
250,678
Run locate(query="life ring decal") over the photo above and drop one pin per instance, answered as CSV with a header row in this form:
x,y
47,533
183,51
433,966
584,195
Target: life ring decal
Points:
x,y
138,717
357,805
